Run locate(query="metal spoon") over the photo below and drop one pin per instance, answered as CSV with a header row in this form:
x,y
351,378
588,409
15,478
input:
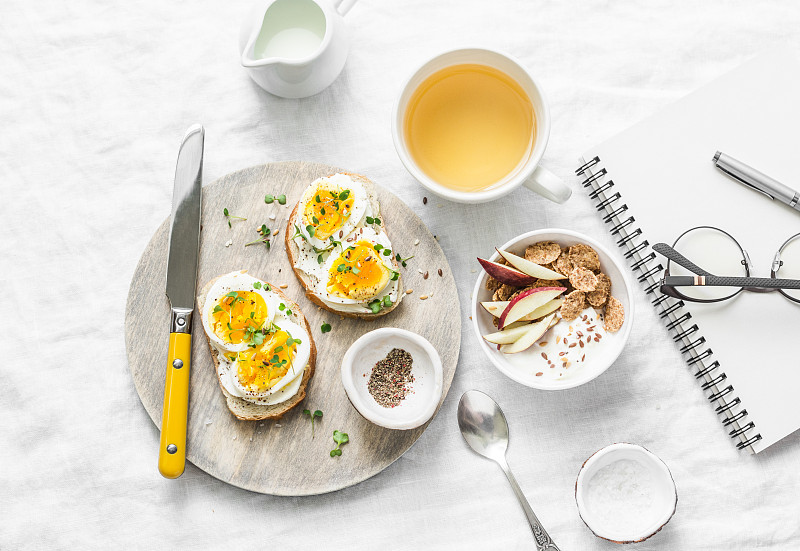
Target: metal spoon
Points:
x,y
485,429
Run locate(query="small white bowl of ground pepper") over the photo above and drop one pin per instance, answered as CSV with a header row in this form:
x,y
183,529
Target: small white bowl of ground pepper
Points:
x,y
393,378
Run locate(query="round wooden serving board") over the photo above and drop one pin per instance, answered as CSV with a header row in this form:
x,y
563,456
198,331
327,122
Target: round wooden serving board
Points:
x,y
280,457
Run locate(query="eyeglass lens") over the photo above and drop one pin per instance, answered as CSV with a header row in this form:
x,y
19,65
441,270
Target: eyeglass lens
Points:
x,y
790,269
715,251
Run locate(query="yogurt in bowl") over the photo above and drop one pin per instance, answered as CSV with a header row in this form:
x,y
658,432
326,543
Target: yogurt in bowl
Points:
x,y
572,352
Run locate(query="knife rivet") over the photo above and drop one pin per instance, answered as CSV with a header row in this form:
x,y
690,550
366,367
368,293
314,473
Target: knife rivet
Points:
x,y
181,322
178,363
172,448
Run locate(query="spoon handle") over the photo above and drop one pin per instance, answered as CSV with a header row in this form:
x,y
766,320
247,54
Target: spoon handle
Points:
x,y
540,535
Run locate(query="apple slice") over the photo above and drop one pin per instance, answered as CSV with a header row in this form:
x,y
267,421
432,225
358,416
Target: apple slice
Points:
x,y
496,309
507,336
534,333
528,301
530,268
506,274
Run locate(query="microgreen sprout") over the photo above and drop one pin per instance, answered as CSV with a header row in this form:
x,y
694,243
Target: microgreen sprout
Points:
x,y
340,438
281,199
371,220
264,231
228,216
269,199
402,260
312,415
298,233
325,327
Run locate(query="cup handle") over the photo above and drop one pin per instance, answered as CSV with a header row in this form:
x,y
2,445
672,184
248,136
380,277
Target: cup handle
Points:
x,y
343,6
548,185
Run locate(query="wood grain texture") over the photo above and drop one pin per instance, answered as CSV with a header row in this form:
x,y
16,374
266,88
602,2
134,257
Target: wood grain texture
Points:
x,y
280,457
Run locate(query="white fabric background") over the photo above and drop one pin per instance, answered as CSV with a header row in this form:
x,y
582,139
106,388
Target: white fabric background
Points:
x,y
94,98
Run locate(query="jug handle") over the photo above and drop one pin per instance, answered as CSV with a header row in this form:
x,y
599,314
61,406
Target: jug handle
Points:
x,y
343,6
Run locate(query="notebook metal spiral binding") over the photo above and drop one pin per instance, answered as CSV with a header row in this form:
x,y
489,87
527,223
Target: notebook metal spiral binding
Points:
x,y
647,271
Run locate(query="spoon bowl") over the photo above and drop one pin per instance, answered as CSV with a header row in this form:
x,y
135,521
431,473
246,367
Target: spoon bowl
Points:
x,y
483,425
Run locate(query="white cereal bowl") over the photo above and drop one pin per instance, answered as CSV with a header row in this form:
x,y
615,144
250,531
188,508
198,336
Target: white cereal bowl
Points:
x,y
620,289
419,406
665,501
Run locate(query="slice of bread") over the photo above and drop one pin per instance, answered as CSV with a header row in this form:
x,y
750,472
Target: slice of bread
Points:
x,y
293,251
248,411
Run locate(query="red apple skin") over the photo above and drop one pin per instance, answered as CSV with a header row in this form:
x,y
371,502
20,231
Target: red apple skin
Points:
x,y
506,274
503,254
522,295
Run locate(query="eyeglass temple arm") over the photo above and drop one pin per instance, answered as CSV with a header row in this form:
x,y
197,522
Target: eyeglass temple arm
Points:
x,y
676,257
717,281
705,278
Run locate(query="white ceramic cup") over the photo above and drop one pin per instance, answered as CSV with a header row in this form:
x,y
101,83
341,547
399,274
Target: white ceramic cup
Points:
x,y
530,174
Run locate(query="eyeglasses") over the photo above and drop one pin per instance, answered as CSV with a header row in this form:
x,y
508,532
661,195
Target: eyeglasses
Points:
x,y
720,253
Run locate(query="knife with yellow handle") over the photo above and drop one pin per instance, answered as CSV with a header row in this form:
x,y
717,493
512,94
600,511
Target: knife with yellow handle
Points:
x,y
184,248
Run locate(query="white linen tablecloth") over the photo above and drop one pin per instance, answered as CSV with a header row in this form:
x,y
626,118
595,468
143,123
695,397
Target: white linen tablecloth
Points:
x,y
94,98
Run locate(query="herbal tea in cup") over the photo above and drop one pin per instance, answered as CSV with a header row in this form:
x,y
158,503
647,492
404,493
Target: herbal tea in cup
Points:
x,y
471,125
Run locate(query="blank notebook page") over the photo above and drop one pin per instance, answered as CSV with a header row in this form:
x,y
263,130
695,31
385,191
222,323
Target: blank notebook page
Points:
x,y
663,168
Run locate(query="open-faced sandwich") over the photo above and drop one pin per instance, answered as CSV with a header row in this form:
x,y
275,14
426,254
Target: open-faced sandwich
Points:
x,y
339,250
261,345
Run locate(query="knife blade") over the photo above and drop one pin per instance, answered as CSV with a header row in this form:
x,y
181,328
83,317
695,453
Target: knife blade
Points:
x,y
182,260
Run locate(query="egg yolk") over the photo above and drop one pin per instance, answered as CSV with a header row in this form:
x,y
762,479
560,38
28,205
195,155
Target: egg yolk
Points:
x,y
237,312
327,210
261,368
358,273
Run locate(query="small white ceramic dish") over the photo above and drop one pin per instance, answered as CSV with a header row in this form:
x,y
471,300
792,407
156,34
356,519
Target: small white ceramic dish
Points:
x,y
419,406
523,367
665,495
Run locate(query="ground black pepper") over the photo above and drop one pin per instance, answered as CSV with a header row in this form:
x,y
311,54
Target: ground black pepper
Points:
x,y
391,377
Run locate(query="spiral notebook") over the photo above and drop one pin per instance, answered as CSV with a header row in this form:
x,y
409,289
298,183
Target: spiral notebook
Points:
x,y
656,180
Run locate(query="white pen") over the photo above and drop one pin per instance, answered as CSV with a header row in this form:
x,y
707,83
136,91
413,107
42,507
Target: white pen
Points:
x,y
757,180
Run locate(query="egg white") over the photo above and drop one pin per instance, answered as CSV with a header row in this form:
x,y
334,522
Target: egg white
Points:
x,y
288,385
362,234
235,281
358,213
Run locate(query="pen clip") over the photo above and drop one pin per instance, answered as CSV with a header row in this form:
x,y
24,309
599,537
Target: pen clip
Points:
x,y
741,181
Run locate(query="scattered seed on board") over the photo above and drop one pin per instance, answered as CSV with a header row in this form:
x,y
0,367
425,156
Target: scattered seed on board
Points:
x,y
425,275
272,217
283,285
234,437
276,232
416,242
440,272
409,291
424,200
423,297
229,242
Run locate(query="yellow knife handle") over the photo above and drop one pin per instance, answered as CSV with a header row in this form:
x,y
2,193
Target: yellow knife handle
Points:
x,y
172,449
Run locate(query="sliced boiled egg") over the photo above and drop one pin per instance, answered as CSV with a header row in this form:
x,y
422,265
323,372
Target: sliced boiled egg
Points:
x,y
236,307
260,372
361,271
330,209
